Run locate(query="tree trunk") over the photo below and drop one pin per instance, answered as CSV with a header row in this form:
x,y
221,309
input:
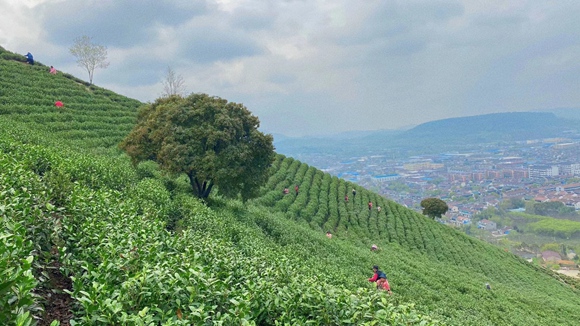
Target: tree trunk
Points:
x,y
201,190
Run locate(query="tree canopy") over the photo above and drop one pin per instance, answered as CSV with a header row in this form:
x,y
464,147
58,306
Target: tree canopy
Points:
x,y
434,207
552,208
213,141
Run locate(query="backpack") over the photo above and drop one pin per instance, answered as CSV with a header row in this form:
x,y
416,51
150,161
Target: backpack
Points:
x,y
382,275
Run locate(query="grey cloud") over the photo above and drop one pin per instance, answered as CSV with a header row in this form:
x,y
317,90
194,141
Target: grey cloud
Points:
x,y
253,19
135,71
399,47
207,43
388,20
282,78
114,23
511,83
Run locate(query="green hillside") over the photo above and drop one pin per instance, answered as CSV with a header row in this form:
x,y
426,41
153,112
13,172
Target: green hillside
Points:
x,y
129,246
91,116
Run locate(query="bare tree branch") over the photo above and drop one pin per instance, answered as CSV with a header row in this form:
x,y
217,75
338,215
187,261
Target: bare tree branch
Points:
x,y
173,84
89,55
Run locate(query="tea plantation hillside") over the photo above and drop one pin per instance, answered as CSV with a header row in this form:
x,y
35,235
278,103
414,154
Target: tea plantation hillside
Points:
x,y
91,116
88,239
427,262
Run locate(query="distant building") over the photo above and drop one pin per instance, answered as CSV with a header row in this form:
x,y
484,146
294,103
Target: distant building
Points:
x,y
510,160
386,177
521,174
487,225
463,177
570,169
540,171
573,187
491,174
575,168
477,176
555,140
418,166
566,263
349,176
565,145
551,256
463,220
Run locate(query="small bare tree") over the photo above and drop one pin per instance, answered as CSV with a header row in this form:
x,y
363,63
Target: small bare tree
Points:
x,y
173,84
89,55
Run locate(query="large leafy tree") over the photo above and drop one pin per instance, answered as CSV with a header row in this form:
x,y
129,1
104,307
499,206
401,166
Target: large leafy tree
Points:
x,y
213,141
434,207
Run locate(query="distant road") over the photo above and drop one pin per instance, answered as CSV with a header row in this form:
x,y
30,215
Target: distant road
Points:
x,y
573,273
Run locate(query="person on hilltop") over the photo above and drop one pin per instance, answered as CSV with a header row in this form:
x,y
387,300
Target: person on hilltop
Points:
x,y
286,191
374,247
29,58
381,278
296,189
379,209
370,205
353,193
328,234
52,70
346,198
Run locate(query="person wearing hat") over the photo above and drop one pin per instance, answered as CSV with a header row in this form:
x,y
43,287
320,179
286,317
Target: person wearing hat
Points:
x,y
381,278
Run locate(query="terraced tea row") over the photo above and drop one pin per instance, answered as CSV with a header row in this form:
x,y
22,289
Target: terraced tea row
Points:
x,y
28,94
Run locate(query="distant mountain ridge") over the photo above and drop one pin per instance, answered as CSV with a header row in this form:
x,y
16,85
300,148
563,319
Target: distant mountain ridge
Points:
x,y
508,126
567,113
442,134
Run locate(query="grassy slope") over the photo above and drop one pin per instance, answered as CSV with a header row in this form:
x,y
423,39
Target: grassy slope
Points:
x,y
439,269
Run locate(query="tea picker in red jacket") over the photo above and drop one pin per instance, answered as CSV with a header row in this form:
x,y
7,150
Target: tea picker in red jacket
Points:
x,y
381,278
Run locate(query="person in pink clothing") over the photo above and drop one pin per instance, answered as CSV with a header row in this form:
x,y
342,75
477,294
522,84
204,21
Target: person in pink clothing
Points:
x,y
52,70
381,279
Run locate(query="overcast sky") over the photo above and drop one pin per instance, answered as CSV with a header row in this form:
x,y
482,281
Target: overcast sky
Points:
x,y
309,67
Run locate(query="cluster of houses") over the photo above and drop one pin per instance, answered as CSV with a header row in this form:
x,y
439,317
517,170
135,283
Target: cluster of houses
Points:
x,y
569,195
553,257
460,220
460,215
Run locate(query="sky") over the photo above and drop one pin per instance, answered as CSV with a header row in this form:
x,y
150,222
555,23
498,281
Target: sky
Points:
x,y
315,67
